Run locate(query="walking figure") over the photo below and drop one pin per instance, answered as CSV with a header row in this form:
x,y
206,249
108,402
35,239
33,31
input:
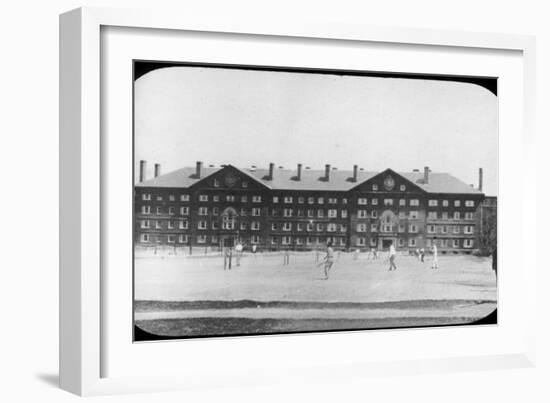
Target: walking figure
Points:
x,y
227,259
356,254
328,261
422,254
286,257
434,251
392,257
238,253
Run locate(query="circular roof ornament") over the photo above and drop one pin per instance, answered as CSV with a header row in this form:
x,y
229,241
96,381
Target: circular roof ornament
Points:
x,y
389,183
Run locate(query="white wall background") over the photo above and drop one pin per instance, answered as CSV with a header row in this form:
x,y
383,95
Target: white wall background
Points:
x,y
29,201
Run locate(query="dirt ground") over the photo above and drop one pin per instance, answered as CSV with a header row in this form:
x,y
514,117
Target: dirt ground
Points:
x,y
190,296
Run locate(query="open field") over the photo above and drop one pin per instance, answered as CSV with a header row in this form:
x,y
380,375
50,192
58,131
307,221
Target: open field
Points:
x,y
192,296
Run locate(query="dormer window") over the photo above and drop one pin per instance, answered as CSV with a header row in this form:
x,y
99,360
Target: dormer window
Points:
x,y
244,184
374,186
216,183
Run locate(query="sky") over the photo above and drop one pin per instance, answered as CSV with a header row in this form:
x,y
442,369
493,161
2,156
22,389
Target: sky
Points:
x,y
246,117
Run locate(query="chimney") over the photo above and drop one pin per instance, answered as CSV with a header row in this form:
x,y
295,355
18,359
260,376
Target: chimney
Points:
x,y
327,172
157,170
142,168
355,173
480,187
299,173
426,174
271,169
198,169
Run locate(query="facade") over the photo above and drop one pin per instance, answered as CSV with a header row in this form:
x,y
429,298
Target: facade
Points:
x,y
302,209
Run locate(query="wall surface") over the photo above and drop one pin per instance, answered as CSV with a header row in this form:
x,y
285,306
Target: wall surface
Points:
x,y
29,166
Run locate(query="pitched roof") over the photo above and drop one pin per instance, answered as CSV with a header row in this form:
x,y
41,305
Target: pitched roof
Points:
x,y
284,179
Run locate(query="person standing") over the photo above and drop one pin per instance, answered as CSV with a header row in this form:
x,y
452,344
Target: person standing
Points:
x,y
434,252
286,256
422,254
238,253
392,257
329,259
227,258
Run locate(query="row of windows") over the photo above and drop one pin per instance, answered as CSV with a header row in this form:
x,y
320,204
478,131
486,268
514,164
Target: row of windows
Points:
x,y
444,243
433,215
446,229
386,228
310,200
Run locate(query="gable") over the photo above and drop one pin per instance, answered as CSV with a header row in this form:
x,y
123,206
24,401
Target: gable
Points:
x,y
229,178
388,181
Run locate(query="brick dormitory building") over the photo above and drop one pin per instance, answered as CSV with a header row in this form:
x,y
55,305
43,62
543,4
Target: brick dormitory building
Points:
x,y
301,209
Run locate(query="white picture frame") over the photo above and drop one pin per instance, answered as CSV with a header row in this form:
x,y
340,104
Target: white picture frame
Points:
x,y
82,176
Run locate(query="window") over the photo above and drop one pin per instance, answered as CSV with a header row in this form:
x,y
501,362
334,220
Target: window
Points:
x,y
387,228
443,229
242,226
321,200
184,197
401,228
146,196
145,209
230,198
319,227
275,199
288,199
402,214
202,225
412,242
171,238
255,225
216,183
171,210
445,203
274,212
432,203
299,227
469,216
344,201
360,241
343,228
184,225
361,227
159,210
287,240
300,200
214,239
456,229
374,186
320,213
144,238
158,224
361,213
469,203
255,239
331,227
413,215
216,198
431,229
182,239
432,215
184,210
373,242
374,202
444,215
201,239
401,242
332,213
344,213
256,199
287,226
309,227
413,228
311,200
455,243
374,214
273,240
256,212
170,225
469,229
159,198
402,188
299,241
402,202
203,210
244,184
203,198
362,201
373,228
244,199
215,211
308,241
456,215
310,213
145,224
468,243
388,202
457,203
414,202
171,198
332,200
287,212
274,226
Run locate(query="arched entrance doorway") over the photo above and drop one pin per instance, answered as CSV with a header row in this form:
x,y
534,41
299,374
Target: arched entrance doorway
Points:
x,y
388,229
229,227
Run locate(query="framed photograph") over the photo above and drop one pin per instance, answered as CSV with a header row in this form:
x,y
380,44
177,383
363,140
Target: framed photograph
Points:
x,y
238,196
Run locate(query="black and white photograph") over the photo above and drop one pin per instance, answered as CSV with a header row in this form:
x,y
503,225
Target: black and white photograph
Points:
x,y
278,200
